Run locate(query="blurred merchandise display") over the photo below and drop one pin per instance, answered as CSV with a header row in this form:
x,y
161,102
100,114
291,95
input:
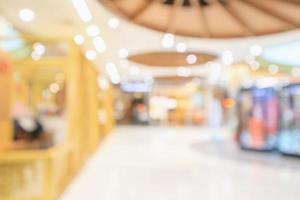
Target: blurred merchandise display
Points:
x,y
258,115
139,109
131,108
289,139
265,124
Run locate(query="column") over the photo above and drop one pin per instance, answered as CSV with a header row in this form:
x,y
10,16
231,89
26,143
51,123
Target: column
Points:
x,y
91,102
6,132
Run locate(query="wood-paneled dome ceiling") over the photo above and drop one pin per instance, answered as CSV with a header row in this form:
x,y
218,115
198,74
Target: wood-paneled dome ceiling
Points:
x,y
211,18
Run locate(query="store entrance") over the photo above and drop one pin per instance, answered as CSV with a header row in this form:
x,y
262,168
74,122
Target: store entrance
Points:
x,y
176,101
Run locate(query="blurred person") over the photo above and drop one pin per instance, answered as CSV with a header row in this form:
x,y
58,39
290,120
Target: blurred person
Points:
x,y
244,112
29,133
215,116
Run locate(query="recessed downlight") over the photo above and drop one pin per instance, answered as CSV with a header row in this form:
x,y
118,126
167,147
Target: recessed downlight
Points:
x,y
26,15
191,59
82,10
93,30
79,39
168,40
91,55
113,22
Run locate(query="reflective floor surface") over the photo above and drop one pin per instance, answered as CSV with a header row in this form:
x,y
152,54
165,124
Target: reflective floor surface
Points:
x,y
182,163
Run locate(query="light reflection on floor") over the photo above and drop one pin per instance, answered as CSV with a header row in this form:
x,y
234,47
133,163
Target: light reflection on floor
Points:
x,y
164,163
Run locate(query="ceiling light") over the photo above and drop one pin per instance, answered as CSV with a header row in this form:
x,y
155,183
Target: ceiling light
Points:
x,y
103,83
91,55
273,69
79,39
99,44
168,40
254,65
113,22
54,88
123,53
39,48
82,10
181,47
93,30
26,15
191,59
227,57
183,71
113,73
256,50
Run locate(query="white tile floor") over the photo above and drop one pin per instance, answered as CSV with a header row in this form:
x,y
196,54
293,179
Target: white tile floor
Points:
x,y
159,163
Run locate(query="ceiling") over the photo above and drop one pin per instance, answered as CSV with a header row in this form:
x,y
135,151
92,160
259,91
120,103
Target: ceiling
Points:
x,y
56,18
52,17
171,59
211,18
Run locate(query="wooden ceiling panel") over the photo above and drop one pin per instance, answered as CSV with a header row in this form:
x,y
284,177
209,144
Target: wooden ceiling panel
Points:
x,y
131,7
280,9
155,16
258,20
170,59
213,18
196,25
221,23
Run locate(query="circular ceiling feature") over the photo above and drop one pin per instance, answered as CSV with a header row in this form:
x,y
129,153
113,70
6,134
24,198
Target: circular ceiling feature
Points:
x,y
191,59
211,18
174,78
170,59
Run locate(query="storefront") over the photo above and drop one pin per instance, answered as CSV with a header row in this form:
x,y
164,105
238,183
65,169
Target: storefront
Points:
x,y
49,119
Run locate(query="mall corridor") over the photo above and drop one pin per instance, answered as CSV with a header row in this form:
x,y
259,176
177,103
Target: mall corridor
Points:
x,y
150,100
176,163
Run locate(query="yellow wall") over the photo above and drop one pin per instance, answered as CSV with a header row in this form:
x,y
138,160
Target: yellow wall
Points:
x,y
5,102
43,174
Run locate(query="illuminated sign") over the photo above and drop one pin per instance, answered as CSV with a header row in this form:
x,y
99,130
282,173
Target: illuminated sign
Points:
x,y
136,86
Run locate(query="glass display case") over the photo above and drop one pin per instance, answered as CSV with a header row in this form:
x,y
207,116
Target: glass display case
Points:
x,y
289,139
258,110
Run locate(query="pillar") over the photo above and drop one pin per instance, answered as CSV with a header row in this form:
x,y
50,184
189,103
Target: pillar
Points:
x,y
92,104
74,89
108,105
6,131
